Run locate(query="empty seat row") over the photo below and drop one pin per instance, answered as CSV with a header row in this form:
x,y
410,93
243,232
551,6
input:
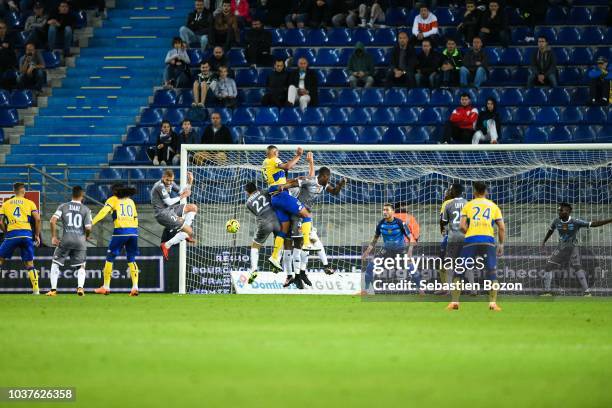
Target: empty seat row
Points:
x,y
16,21
9,117
113,174
19,99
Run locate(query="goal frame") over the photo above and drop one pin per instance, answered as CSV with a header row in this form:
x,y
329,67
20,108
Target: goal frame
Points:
x,y
185,148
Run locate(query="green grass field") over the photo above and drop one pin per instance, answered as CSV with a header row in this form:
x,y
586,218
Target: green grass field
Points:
x,y
307,351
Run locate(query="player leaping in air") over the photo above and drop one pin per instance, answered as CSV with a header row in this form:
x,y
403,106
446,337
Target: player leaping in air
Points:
x,y
125,234
478,218
16,216
285,206
307,190
567,252
166,199
76,223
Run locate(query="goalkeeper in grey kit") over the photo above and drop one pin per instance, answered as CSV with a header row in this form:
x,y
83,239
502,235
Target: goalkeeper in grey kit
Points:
x,y
567,252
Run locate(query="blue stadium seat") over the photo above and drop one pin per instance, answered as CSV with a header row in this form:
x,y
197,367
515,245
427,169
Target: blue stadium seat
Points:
x,y
314,116
519,76
486,93
506,114
595,115
396,16
395,97
549,32
196,56
561,53
406,116
556,15
571,76
571,115
98,192
581,55
307,53
21,98
512,134
514,18
253,97
4,98
294,37
263,76
316,37
535,134
559,97
579,96
299,134
125,155
344,54
417,134
174,115
511,56
441,97
185,97
383,116
327,97
535,96
322,76
111,174
277,36
135,175
445,16
371,134
339,36
327,57
559,134
337,116
14,21
582,134
151,116
363,35
81,19
277,134
254,135
499,76
493,55
384,36
337,77
324,134
266,116
164,98
579,16
360,116
547,116
138,136
371,97
282,53
243,116
599,15
378,55
394,136
523,115
518,35
246,77
594,36
156,174
347,135
418,97
52,59
431,116
290,116
568,35
236,57
346,97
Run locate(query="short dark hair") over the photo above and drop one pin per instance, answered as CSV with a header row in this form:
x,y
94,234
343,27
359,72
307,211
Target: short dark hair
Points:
x,y
470,2
185,120
30,42
543,37
566,205
279,60
168,172
324,171
166,121
77,191
425,40
457,189
124,191
389,205
466,95
250,187
18,186
423,6
479,187
271,147
475,37
449,39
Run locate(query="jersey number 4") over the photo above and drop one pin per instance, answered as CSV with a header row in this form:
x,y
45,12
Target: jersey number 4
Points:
x,y
17,212
486,214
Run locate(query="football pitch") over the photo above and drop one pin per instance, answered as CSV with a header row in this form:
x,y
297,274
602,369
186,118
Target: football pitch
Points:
x,y
306,351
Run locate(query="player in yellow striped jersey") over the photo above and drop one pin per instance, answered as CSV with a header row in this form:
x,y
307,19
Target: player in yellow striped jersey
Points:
x,y
125,234
16,216
478,219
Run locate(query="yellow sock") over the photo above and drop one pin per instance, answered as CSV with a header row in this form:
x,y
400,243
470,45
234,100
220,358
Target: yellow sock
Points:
x,y
33,275
108,271
455,293
134,274
306,227
493,293
278,245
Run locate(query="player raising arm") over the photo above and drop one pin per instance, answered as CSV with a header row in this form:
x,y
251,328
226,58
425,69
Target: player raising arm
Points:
x,y
478,218
170,213
567,252
76,223
125,234
16,215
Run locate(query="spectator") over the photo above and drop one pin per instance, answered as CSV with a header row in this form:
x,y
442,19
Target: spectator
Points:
x,y
299,14
8,58
224,89
403,63
543,65
494,26
600,83
273,12
225,28
276,86
470,25
320,14
35,26
452,61
461,125
177,62
61,22
428,66
303,86
488,127
344,13
475,65
31,69
218,59
258,44
197,26
372,9
164,146
215,133
425,26
188,136
240,9
361,67
202,85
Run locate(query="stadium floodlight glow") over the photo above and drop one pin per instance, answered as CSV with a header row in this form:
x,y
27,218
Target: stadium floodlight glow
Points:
x,y
528,181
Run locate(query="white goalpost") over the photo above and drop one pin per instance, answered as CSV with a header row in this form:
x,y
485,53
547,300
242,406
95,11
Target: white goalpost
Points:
x,y
526,181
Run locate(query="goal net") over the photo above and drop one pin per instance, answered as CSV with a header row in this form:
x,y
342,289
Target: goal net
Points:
x,y
527,182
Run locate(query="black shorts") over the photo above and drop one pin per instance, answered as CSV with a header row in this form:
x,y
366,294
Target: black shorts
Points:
x,y
566,256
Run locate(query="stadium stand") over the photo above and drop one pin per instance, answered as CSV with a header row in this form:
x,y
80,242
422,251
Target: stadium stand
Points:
x,y
90,119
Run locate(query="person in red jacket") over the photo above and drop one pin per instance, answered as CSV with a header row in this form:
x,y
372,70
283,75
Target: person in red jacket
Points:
x,y
240,8
462,123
